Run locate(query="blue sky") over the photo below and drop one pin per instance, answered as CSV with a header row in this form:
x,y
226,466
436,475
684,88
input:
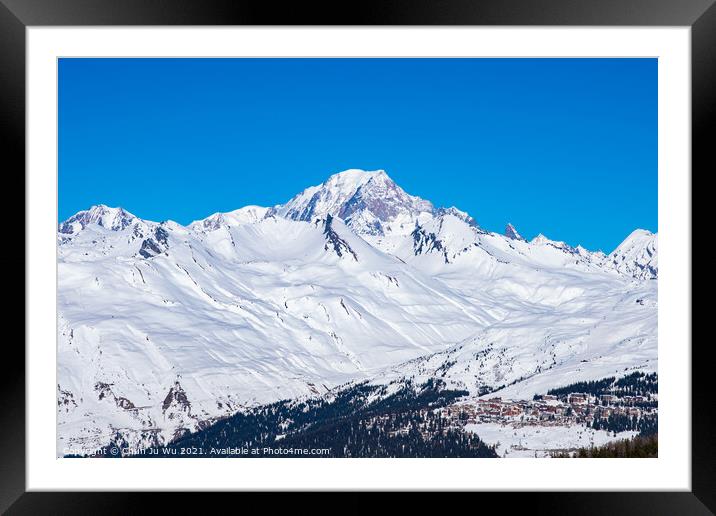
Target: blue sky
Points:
x,y
565,147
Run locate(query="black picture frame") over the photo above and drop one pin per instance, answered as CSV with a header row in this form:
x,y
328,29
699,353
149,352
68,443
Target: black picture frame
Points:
x,y
17,15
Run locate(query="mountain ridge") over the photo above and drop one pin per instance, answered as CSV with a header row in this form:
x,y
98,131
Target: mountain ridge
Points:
x,y
342,195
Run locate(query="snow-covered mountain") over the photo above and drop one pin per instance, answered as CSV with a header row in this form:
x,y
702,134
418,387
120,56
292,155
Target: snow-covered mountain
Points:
x,y
111,218
163,328
369,202
637,255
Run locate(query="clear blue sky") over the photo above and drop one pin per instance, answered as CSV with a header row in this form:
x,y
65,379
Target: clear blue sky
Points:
x,y
565,147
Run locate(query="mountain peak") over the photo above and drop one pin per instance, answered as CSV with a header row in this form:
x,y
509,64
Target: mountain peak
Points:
x,y
637,255
459,214
353,178
103,209
638,234
326,198
511,232
540,239
368,201
543,240
640,238
114,219
246,215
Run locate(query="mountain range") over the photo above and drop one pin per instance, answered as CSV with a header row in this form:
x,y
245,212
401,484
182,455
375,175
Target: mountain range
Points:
x,y
164,328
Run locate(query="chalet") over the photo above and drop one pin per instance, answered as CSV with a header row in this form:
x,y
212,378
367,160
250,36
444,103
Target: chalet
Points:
x,y
577,398
512,410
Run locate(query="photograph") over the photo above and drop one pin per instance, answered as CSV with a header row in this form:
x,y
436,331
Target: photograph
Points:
x,y
334,257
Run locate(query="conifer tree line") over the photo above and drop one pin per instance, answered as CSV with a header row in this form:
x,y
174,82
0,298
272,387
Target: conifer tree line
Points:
x,y
634,384
645,425
402,424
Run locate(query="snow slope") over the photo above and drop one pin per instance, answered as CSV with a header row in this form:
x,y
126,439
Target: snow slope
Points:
x,y
240,316
164,328
515,441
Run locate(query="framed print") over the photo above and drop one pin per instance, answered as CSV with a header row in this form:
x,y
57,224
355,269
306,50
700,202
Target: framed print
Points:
x,y
430,248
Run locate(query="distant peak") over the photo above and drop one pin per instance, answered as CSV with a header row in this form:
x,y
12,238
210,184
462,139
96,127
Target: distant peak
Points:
x,y
355,172
540,239
459,214
637,238
354,177
103,208
114,219
363,199
247,215
637,255
640,233
511,232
